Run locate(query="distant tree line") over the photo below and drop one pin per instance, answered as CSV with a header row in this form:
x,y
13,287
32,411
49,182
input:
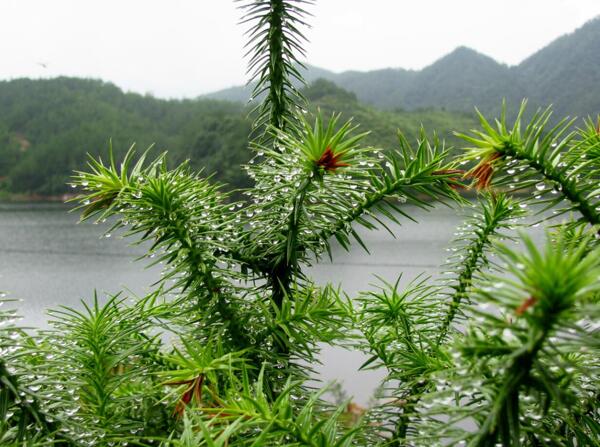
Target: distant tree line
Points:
x,y
48,126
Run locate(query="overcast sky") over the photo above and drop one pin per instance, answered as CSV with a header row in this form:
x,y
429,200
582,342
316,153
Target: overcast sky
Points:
x,y
183,48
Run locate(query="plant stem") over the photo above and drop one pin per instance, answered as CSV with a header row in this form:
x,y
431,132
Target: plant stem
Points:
x,y
277,97
568,188
284,272
211,284
506,404
476,253
497,213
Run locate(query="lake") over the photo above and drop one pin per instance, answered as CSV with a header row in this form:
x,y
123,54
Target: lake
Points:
x,y
48,259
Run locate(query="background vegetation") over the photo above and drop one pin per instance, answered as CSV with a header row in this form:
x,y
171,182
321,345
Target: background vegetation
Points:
x,y
48,126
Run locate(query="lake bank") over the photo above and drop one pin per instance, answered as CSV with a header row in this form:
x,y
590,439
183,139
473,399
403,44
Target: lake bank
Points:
x,y
6,197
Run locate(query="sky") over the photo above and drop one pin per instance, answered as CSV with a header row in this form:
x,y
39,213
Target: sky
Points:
x,y
184,48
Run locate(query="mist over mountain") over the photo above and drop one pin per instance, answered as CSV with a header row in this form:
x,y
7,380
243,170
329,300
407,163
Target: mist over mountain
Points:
x,y
565,73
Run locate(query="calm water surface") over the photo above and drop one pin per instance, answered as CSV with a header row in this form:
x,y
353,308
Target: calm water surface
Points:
x,y
48,259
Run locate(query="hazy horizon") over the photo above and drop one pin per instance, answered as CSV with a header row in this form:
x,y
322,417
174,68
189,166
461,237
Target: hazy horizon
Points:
x,y
177,50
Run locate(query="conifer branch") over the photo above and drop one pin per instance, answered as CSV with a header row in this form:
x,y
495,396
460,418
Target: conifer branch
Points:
x,y
275,40
248,415
310,161
423,320
563,158
497,211
184,217
515,372
417,176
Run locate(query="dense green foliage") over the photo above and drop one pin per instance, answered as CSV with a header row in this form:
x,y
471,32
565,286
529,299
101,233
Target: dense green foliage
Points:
x,y
48,126
563,73
503,351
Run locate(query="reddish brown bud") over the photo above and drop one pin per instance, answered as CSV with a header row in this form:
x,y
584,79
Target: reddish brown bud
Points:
x,y
331,161
483,172
194,390
519,311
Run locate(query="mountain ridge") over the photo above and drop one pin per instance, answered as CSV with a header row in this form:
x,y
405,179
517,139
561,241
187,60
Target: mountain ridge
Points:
x,y
564,73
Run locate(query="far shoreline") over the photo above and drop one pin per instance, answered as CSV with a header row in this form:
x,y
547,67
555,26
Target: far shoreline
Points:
x,y
35,198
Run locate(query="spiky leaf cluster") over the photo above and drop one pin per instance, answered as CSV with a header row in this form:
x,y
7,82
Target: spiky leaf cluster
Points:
x,y
526,372
98,371
275,44
555,163
248,417
407,329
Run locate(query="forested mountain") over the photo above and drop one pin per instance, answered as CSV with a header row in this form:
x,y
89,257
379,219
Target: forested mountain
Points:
x,y
565,73
48,126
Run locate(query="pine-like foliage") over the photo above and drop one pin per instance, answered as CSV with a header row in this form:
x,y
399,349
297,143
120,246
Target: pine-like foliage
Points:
x,y
22,421
557,163
105,357
502,350
275,43
408,329
248,417
526,371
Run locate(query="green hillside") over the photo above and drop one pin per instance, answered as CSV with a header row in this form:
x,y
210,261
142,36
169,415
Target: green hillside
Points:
x,y
385,124
48,126
567,72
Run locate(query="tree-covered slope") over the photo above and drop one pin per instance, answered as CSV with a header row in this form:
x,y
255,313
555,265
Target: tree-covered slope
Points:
x,y
462,79
566,72
47,127
385,124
